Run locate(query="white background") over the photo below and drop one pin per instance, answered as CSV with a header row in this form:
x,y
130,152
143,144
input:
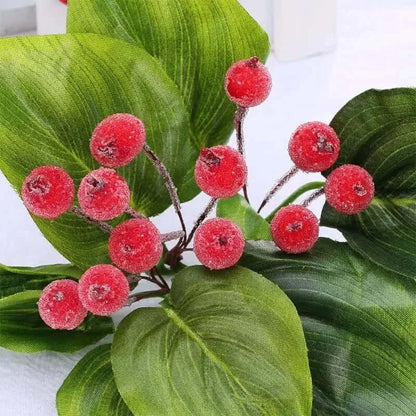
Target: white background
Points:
x,y
376,49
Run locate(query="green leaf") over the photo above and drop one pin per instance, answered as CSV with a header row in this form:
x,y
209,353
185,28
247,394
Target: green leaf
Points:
x,y
360,324
377,130
253,225
195,41
90,390
55,89
22,329
226,343
18,279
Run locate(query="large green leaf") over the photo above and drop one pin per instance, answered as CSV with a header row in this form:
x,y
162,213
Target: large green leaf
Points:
x,y
228,343
22,329
194,40
19,279
377,130
360,326
55,89
253,225
90,390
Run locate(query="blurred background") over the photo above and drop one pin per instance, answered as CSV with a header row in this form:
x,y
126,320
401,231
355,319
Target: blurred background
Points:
x,y
324,53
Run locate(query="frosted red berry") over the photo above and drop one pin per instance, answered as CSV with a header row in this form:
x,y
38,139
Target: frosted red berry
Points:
x,y
349,189
59,305
220,171
48,192
117,140
103,289
248,82
135,245
314,147
295,229
103,194
219,243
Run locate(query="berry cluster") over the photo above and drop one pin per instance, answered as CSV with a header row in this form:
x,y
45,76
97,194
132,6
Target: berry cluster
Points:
x,y
136,246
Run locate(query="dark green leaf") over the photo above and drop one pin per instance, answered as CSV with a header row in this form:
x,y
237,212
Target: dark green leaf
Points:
x,y
22,329
226,343
19,279
90,390
253,225
195,41
360,324
377,130
55,89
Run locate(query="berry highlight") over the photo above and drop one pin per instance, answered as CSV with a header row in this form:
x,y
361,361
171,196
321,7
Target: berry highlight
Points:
x,y
349,189
220,171
48,192
248,82
135,245
117,140
59,305
314,147
294,229
103,289
103,194
219,243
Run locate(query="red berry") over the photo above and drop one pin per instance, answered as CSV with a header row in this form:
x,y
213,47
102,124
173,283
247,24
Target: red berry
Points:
x,y
248,82
220,171
135,245
48,192
219,243
314,147
294,229
103,289
59,305
117,140
103,194
349,189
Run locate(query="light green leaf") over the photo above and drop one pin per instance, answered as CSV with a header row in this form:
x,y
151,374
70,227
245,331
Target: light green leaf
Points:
x,y
22,329
195,41
55,89
237,209
90,390
377,130
360,324
19,279
227,343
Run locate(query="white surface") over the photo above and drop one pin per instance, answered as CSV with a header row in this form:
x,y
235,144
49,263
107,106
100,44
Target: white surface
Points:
x,y
377,40
51,17
17,16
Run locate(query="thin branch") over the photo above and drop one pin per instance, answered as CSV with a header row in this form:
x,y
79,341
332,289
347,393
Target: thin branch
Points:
x,y
279,184
100,224
135,214
313,196
174,235
239,117
145,295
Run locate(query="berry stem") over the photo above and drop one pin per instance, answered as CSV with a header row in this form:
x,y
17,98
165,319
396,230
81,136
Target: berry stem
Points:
x,y
295,195
279,184
168,182
239,117
174,235
145,295
100,224
155,273
135,214
313,196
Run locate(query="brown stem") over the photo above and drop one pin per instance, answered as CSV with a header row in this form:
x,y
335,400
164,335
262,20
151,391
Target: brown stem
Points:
x,y
174,235
279,184
146,295
313,196
134,213
100,224
239,117
168,182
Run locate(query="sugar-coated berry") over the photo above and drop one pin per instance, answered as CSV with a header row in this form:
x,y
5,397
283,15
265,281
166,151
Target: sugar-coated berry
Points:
x,y
220,171
103,289
135,245
117,140
314,147
248,82
219,243
48,192
349,189
59,305
294,229
103,194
